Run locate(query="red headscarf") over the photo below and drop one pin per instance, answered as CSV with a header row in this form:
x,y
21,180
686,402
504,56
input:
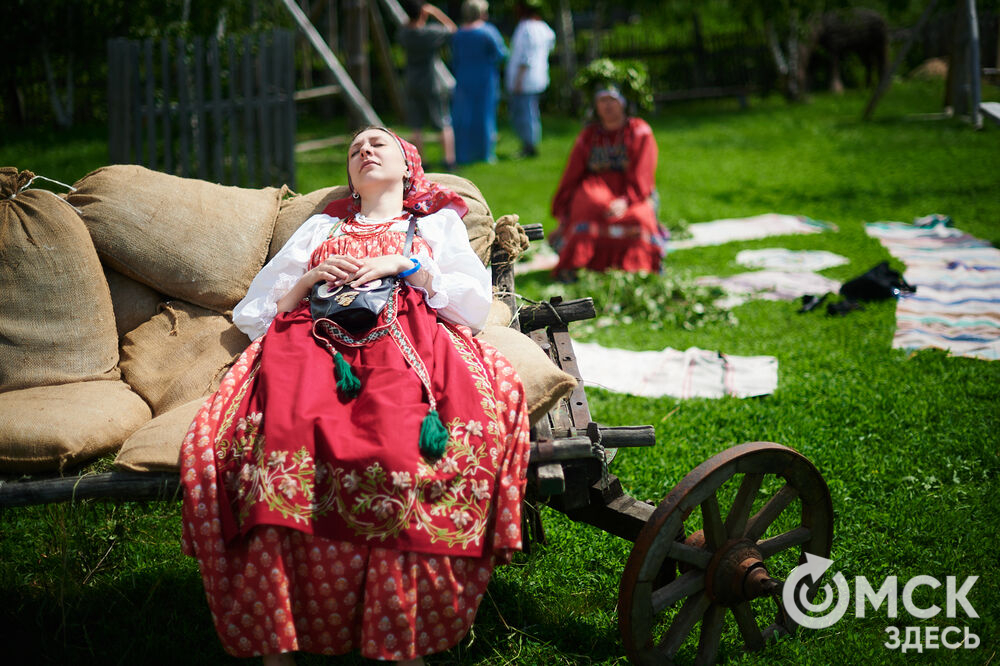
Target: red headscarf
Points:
x,y
421,196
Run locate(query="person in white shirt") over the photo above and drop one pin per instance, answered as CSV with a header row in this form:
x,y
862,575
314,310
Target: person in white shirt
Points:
x,y
333,516
527,74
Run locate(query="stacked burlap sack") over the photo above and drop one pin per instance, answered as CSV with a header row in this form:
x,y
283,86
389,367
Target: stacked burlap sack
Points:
x,y
115,317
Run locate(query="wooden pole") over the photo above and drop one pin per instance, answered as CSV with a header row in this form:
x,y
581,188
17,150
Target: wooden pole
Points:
x,y
355,99
965,85
567,51
380,38
356,48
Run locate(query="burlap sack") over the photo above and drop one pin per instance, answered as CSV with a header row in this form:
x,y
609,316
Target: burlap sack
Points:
x,y
56,427
57,324
156,446
186,238
544,383
179,355
134,302
297,209
479,220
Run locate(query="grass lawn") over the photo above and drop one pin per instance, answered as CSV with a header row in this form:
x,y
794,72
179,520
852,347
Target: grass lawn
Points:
x,y
909,444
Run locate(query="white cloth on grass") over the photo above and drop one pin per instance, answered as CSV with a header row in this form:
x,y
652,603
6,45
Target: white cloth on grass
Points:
x,y
693,373
749,228
781,259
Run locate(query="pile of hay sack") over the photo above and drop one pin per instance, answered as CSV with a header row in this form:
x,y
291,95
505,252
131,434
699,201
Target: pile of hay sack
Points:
x,y
115,321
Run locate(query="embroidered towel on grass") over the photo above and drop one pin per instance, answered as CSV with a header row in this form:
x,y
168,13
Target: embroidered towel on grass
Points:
x,y
748,228
957,276
694,373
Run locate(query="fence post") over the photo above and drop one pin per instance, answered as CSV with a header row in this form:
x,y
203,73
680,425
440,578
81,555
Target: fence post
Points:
x,y
144,103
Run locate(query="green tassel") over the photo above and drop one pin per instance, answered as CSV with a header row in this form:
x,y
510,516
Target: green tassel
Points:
x,y
347,381
433,435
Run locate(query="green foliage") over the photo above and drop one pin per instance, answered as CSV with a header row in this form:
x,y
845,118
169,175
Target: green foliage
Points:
x,y
630,76
661,301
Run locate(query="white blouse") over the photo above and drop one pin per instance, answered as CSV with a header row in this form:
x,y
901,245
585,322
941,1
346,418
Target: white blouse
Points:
x,y
462,286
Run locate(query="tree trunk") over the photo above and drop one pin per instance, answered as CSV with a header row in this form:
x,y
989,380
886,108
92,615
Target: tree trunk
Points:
x,y
62,111
567,52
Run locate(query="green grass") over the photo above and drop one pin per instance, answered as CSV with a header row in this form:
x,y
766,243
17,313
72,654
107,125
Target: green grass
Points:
x,y
908,443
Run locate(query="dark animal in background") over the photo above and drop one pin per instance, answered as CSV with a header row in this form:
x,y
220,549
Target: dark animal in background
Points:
x,y
838,34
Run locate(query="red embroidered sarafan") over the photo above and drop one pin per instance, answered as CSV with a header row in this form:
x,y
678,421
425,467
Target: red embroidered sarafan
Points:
x,y
316,523
293,451
605,165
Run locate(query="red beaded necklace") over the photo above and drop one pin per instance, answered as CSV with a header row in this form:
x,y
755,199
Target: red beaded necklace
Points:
x,y
369,229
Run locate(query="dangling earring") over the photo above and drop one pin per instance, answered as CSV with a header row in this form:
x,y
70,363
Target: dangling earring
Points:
x,y
406,183
355,196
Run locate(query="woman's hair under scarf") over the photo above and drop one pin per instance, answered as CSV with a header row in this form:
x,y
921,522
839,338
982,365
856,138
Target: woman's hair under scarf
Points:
x,y
421,197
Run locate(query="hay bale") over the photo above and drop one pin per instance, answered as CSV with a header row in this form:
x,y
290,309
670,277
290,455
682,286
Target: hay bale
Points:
x,y
56,427
186,238
57,323
932,69
180,354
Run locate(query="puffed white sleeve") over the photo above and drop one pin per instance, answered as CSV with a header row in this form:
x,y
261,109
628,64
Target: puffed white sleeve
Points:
x,y
462,285
254,314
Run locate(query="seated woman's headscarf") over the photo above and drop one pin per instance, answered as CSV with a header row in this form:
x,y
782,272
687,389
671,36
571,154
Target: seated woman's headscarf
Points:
x,y
421,197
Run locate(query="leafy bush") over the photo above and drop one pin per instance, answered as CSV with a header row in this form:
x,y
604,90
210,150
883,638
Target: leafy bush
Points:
x,y
660,301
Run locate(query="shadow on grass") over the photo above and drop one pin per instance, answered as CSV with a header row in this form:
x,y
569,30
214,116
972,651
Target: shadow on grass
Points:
x,y
162,618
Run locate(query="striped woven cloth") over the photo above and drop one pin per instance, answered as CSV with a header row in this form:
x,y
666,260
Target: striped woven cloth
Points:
x,y
957,276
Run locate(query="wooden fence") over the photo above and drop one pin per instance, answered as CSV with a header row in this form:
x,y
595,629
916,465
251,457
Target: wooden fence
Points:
x,y
726,64
217,110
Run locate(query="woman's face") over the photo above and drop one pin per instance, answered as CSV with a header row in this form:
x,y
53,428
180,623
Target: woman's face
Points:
x,y
375,161
610,111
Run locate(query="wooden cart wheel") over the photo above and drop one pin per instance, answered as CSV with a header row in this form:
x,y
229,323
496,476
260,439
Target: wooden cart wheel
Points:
x,y
725,558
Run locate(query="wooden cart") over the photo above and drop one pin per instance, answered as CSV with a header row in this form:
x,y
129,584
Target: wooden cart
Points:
x,y
706,550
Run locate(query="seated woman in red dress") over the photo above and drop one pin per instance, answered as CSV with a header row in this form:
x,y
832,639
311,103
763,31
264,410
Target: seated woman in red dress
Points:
x,y
604,201
320,520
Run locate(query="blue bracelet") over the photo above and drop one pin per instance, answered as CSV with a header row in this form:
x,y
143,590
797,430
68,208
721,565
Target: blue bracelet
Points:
x,y
416,267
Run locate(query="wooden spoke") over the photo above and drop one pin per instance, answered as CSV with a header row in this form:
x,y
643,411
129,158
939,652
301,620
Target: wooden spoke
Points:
x,y
784,541
692,611
747,623
719,564
711,634
715,532
690,583
736,521
689,555
770,512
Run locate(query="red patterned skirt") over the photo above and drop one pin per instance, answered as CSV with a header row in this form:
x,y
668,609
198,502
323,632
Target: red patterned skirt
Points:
x,y
589,239
318,525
